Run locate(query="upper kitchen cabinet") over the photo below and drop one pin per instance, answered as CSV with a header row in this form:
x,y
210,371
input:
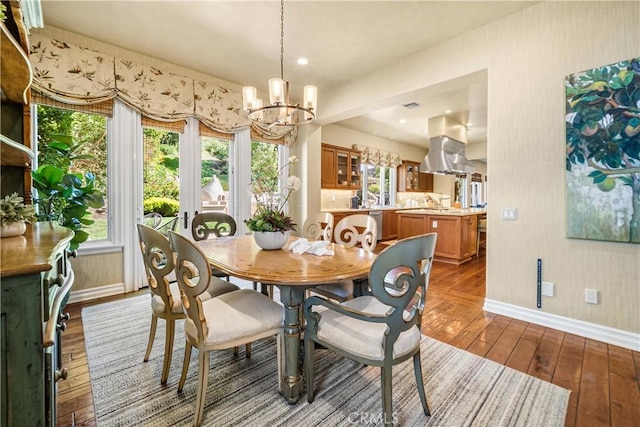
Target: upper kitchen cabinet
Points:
x,y
411,179
340,168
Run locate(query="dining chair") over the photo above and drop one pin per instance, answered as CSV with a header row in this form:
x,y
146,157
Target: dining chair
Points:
x,y
229,320
352,230
318,226
165,301
208,225
381,329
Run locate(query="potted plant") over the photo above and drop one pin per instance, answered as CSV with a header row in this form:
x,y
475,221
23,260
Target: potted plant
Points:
x,y
14,214
270,223
64,196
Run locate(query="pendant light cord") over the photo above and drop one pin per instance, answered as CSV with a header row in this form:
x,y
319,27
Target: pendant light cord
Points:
x,y
282,39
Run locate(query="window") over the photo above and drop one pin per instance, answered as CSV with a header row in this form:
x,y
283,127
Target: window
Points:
x,y
378,186
264,167
85,152
214,178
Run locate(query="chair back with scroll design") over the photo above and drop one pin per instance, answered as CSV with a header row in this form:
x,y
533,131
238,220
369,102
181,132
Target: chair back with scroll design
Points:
x,y
165,298
381,329
352,230
318,226
219,323
216,224
357,229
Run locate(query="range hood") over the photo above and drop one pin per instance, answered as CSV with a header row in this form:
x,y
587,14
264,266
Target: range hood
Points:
x,y
446,153
445,156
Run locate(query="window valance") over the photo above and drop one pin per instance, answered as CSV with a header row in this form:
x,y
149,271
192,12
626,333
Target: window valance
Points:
x,y
376,157
75,75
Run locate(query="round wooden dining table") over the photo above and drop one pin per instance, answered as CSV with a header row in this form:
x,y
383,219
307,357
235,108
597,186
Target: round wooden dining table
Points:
x,y
241,257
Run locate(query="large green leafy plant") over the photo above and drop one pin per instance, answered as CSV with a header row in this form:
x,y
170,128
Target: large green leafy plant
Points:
x,y
64,196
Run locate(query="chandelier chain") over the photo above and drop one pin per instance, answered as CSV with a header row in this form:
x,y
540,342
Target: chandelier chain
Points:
x,y
282,39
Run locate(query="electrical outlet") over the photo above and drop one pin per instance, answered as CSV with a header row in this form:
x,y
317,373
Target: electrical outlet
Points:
x,y
548,289
591,296
434,224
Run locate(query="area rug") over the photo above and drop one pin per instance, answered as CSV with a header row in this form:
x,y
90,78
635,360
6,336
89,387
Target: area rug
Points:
x,y
462,389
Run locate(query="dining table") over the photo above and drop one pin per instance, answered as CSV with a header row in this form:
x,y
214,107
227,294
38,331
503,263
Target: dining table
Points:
x,y
240,256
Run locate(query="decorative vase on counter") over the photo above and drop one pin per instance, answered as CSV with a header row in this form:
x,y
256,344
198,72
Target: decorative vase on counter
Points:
x,y
13,229
271,240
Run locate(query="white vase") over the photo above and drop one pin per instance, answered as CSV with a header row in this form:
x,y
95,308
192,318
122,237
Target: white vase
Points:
x,y
13,229
271,240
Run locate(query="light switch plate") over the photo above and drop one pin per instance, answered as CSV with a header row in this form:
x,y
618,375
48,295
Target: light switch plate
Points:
x,y
548,289
510,214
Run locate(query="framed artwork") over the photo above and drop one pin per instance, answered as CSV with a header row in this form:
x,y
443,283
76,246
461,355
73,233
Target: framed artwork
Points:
x,y
603,153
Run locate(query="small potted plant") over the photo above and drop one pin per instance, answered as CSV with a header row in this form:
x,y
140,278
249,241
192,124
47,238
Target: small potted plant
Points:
x,y
270,223
14,214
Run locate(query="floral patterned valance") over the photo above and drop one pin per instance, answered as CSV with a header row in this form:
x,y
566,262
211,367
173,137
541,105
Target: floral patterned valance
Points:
x,y
376,157
75,75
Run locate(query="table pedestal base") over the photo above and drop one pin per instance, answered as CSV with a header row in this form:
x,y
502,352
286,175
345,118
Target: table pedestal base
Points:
x,y
292,297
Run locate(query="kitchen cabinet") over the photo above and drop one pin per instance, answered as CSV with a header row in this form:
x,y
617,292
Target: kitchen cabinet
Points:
x,y
457,234
340,168
411,179
328,177
389,225
35,280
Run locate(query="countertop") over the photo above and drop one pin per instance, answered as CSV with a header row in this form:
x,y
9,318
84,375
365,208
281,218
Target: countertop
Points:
x,y
386,208
416,210
447,212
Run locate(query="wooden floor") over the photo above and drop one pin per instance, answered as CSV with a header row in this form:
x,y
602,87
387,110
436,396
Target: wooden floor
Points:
x,y
603,378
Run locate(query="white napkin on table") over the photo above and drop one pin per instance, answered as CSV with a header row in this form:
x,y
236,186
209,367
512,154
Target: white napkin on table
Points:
x,y
302,245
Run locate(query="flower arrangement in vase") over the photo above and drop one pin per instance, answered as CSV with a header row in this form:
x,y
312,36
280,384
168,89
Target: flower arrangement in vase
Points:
x,y
14,214
270,223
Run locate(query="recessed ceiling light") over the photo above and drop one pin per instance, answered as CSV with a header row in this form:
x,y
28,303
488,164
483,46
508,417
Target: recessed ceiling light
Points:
x,y
403,121
447,112
302,61
469,124
392,137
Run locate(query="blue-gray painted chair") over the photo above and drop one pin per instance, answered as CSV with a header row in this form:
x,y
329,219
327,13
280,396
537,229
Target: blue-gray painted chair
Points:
x,y
165,300
381,329
227,321
209,225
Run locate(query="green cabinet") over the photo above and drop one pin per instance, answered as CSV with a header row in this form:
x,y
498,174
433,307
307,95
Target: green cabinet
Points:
x,y
35,279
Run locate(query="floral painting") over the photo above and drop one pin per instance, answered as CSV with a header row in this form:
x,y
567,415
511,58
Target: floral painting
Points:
x,y
603,153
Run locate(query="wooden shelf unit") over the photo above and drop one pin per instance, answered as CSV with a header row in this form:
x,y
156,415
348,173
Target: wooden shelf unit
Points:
x,y
411,179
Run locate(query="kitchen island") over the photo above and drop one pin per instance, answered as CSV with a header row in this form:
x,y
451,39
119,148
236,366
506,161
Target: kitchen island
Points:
x,y
457,230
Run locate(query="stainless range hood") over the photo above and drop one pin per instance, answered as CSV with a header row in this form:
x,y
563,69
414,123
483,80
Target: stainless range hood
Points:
x,y
446,154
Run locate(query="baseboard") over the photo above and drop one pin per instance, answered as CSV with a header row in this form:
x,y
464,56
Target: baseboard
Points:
x,y
82,295
578,327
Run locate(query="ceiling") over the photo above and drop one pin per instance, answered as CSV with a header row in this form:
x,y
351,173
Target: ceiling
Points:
x,y
239,41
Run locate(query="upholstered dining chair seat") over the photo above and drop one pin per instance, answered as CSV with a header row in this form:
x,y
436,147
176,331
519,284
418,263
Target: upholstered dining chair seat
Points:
x,y
216,287
237,315
360,337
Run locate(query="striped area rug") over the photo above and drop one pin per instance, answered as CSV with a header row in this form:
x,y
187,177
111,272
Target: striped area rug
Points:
x,y
462,389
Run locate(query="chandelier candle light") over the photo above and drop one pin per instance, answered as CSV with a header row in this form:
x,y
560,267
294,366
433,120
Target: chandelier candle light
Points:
x,y
285,112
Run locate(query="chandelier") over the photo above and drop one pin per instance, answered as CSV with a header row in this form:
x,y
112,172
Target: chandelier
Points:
x,y
280,112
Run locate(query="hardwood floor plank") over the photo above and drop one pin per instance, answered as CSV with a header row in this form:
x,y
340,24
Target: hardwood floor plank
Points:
x,y
593,402
546,357
506,342
625,396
